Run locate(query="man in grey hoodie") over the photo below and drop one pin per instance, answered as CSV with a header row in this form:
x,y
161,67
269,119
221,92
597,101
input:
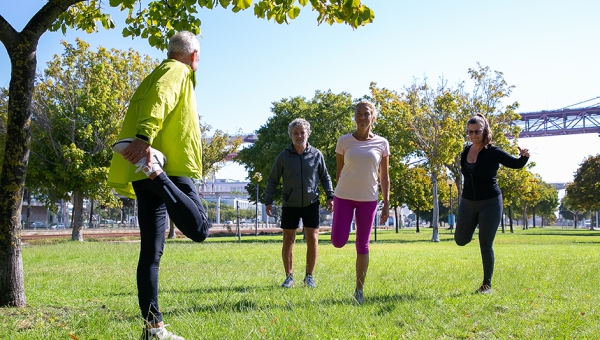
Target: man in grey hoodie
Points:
x,y
302,168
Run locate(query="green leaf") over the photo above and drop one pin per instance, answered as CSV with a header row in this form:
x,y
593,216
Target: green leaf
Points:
x,y
303,2
294,12
153,40
224,3
243,4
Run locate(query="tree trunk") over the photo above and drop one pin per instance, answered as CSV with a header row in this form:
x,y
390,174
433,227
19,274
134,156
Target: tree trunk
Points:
x,y
533,212
14,168
171,229
502,219
90,221
77,233
435,237
397,222
21,48
510,220
418,223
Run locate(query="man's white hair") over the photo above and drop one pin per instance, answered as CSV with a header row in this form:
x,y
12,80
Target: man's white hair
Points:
x,y
301,122
183,42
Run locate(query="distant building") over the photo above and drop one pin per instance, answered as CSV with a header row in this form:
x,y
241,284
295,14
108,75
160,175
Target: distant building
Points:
x,y
32,210
230,192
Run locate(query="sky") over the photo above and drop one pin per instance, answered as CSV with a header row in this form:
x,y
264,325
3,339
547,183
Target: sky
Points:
x,y
547,49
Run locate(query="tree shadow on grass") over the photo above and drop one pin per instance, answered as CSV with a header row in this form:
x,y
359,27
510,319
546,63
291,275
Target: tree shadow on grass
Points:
x,y
220,289
244,304
386,301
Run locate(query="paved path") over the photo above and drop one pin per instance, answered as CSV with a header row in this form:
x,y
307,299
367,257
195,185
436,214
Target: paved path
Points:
x,y
134,232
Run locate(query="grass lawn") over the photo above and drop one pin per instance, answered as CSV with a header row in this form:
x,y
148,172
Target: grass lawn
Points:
x,y
545,287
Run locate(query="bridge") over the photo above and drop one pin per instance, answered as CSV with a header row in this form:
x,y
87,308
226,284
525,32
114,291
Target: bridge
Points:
x,y
566,121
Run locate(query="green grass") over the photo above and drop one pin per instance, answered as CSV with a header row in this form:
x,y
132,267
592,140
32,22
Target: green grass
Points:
x,y
545,286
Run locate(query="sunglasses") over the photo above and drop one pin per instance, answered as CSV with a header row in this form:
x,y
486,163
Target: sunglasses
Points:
x,y
474,132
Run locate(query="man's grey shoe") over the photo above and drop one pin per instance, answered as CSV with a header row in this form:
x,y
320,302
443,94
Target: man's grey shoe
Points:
x,y
289,281
309,281
359,297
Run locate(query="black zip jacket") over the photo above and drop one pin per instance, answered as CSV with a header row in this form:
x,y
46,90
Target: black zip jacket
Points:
x,y
301,176
480,183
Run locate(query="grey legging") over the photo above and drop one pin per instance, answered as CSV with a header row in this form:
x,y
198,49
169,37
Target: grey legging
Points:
x,y
487,214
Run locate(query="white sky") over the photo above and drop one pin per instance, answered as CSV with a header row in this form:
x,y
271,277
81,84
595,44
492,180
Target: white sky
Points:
x,y
547,49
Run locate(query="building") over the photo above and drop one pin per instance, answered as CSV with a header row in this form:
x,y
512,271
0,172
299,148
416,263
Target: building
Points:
x,y
230,192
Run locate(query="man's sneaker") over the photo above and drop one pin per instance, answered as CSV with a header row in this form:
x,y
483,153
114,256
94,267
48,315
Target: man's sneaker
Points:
x,y
121,144
159,334
158,159
309,281
157,163
484,289
289,281
359,297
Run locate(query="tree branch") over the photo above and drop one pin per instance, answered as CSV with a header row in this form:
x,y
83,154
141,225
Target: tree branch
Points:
x,y
8,35
45,17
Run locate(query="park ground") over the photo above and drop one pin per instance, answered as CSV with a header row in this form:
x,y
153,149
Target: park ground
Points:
x,y
545,287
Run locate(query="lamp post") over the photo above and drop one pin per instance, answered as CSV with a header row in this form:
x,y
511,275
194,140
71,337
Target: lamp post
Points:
x,y
258,177
451,215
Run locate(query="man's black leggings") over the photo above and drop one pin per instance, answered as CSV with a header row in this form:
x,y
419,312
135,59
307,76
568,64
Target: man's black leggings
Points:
x,y
486,214
176,196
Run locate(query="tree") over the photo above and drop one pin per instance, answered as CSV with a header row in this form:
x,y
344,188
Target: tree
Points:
x,y
329,115
157,21
548,202
529,197
489,90
571,210
216,150
3,114
513,183
584,191
418,191
391,125
78,105
432,118
564,211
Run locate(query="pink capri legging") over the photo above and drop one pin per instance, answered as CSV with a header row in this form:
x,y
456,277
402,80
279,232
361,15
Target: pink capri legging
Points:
x,y
344,211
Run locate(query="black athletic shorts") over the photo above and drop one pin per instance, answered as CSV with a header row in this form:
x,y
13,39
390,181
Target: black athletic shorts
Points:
x,y
290,217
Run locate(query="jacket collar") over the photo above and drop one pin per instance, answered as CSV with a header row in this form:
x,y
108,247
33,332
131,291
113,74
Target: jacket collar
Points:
x,y
291,148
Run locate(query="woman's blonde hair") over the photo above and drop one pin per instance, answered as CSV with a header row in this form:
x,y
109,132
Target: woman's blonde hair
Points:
x,y
487,132
367,103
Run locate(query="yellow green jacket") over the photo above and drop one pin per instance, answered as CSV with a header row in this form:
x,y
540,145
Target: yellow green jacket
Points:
x,y
163,108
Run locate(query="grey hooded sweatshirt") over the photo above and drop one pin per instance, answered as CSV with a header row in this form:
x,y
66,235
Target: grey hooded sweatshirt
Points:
x,y
301,176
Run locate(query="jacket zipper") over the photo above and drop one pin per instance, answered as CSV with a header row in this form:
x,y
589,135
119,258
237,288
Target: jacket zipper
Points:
x,y
302,177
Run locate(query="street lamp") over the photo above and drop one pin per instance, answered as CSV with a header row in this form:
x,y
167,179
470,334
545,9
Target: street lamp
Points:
x,y
258,177
451,215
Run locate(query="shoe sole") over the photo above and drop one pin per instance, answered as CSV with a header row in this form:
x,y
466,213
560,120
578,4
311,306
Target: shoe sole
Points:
x,y
121,145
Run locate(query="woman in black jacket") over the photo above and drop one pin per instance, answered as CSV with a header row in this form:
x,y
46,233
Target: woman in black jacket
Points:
x,y
481,202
